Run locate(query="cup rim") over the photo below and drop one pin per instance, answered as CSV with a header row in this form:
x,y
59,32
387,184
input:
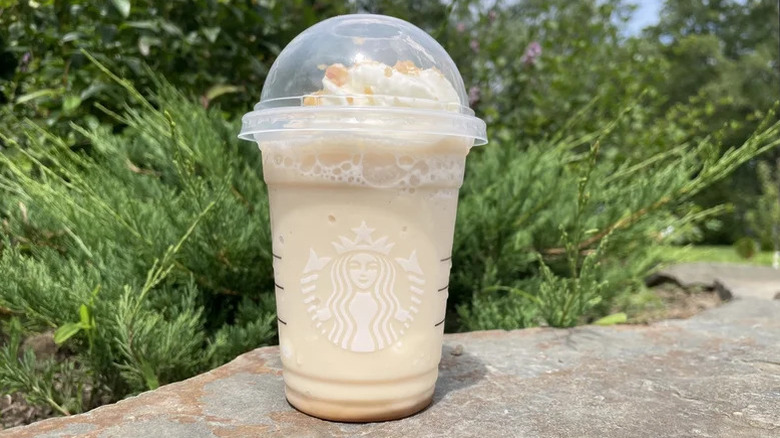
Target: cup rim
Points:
x,y
362,119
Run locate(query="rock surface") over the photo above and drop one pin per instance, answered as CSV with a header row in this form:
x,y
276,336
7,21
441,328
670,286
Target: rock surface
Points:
x,y
731,281
714,375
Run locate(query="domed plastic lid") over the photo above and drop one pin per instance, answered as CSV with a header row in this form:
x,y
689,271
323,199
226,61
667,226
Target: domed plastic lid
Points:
x,y
364,72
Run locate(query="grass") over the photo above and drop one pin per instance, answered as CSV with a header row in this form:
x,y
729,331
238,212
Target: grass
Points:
x,y
706,253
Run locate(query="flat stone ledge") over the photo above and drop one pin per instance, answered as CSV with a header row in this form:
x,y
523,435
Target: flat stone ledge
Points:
x,y
714,375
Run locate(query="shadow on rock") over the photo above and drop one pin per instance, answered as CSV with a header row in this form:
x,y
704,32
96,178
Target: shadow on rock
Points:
x,y
457,370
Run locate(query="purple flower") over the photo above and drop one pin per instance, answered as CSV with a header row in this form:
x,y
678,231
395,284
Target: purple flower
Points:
x,y
474,46
492,16
460,27
532,53
24,62
474,95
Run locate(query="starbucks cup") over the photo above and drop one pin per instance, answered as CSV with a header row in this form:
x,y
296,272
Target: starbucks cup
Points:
x,y
364,128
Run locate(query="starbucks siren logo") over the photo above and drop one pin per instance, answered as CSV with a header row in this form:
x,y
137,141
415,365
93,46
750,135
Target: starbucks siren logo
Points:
x,y
352,297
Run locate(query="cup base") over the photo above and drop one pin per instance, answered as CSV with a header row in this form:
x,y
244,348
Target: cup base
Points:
x,y
337,410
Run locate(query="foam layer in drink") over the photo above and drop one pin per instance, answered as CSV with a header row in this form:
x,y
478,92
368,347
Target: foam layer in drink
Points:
x,y
367,162
361,262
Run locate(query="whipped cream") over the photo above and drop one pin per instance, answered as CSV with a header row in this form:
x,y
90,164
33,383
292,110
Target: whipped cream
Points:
x,y
371,83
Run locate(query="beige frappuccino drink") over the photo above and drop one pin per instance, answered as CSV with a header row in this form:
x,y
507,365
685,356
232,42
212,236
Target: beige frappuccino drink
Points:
x,y
362,216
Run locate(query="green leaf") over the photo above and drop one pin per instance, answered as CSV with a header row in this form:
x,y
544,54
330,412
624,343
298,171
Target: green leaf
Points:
x,y
71,36
146,42
171,28
84,315
145,24
70,103
91,121
211,33
94,294
149,376
615,318
191,38
122,6
93,89
65,332
220,89
38,94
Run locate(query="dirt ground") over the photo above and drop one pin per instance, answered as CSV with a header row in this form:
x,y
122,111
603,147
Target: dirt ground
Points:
x,y
15,412
676,302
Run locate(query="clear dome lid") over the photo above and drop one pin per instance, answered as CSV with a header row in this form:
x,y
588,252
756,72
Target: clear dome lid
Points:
x,y
364,72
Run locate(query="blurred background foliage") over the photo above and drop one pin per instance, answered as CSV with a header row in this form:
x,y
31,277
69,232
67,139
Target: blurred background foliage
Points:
x,y
134,225
706,68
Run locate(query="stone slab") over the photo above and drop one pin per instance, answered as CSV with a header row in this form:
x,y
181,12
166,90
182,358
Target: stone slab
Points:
x,y
714,375
730,280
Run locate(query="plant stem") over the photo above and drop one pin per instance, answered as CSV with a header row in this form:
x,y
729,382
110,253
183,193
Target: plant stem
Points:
x,y
57,407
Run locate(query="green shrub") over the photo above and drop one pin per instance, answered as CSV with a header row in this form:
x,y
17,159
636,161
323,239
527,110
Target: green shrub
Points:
x,y
764,218
746,247
148,252
139,234
216,50
553,232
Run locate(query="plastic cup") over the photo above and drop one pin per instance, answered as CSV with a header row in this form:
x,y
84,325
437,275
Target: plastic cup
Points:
x,y
364,128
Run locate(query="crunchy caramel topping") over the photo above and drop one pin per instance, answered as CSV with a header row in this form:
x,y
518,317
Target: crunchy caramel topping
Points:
x,y
337,74
406,67
312,99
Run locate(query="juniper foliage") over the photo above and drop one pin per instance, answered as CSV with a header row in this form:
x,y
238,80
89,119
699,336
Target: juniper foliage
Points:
x,y
147,251
555,232
764,218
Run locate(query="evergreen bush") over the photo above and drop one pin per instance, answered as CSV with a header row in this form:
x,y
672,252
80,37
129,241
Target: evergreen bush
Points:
x,y
137,236
764,218
554,232
148,253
